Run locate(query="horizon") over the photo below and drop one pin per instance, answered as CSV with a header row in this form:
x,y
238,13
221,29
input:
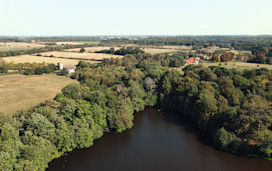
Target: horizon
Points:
x,y
238,35
121,18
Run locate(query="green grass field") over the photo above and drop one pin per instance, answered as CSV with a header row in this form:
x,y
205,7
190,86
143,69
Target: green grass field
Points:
x,y
239,65
21,92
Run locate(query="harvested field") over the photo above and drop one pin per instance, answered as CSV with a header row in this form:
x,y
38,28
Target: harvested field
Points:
x,y
92,49
39,59
178,47
18,46
21,91
237,65
73,55
69,43
156,51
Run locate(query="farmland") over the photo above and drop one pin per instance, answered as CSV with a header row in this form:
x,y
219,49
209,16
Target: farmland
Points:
x,y
38,59
156,50
236,65
18,46
147,49
21,92
72,55
92,49
239,65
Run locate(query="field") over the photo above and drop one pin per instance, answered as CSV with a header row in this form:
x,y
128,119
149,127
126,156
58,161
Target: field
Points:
x,y
92,49
38,59
147,49
237,65
156,51
21,92
73,55
18,46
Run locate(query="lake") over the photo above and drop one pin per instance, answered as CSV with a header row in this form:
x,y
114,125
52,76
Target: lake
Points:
x,y
162,140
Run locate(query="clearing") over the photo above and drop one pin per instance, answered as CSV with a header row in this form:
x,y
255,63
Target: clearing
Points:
x,y
21,92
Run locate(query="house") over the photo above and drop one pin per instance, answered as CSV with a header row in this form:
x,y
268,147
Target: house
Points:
x,y
189,61
70,68
192,60
212,47
195,58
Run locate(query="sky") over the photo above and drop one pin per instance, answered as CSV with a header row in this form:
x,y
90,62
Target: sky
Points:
x,y
135,17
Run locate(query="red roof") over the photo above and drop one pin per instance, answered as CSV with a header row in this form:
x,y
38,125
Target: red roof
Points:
x,y
189,61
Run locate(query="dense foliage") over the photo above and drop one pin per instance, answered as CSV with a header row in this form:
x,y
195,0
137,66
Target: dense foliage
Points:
x,y
232,105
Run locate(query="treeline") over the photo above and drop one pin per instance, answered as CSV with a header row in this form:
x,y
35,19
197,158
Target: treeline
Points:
x,y
29,68
39,50
229,56
123,51
39,70
140,60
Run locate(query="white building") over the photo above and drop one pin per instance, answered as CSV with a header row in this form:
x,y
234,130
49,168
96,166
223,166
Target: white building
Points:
x,y
70,68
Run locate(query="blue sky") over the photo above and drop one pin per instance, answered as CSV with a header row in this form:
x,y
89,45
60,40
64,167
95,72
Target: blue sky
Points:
x,y
135,17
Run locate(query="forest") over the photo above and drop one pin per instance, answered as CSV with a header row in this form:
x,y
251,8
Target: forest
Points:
x,y
232,106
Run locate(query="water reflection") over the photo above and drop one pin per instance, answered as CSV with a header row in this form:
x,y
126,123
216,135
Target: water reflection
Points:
x,y
158,141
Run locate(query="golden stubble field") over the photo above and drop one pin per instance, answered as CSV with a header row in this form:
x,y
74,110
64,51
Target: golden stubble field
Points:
x,y
157,50
147,49
39,59
18,46
21,92
92,49
74,55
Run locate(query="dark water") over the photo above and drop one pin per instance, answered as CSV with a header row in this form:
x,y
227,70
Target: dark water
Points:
x,y
158,141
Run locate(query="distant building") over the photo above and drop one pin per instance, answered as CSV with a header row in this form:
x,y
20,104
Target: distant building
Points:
x,y
192,60
70,68
212,47
189,61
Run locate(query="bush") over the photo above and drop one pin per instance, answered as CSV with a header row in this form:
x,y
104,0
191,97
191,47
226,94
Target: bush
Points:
x,y
82,50
222,138
29,72
64,72
3,69
39,71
